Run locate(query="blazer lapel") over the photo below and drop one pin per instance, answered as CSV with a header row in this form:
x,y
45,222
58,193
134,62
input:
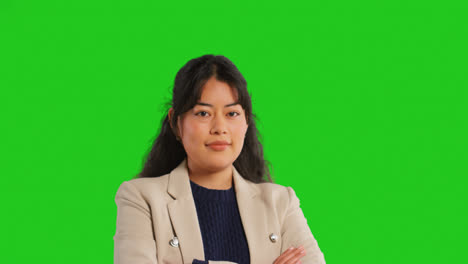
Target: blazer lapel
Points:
x,y
254,219
183,214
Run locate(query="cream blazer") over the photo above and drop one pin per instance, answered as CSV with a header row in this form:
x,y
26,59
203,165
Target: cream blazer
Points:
x,y
157,221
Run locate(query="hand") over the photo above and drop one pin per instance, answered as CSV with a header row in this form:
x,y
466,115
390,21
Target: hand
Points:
x,y
291,256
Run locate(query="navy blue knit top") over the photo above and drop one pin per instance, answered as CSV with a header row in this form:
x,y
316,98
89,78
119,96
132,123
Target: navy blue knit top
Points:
x,y
220,224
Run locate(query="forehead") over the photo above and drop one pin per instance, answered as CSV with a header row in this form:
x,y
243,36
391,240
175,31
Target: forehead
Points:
x,y
216,92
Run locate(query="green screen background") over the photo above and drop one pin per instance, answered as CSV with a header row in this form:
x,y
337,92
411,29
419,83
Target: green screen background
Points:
x,y
362,106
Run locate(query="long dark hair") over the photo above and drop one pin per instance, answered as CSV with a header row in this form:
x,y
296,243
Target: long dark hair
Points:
x,y
167,152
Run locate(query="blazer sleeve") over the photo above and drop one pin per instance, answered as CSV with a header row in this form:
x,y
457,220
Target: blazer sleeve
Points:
x,y
133,240
295,232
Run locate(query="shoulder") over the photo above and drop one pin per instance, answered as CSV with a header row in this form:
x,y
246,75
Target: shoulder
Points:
x,y
277,195
143,188
269,187
274,188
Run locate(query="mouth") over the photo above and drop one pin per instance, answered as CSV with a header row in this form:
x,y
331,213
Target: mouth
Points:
x,y
218,147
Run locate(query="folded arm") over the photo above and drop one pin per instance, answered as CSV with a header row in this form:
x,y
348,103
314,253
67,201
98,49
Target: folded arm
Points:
x,y
296,232
133,239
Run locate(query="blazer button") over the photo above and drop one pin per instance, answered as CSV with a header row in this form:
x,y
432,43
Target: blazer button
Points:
x,y
273,238
174,242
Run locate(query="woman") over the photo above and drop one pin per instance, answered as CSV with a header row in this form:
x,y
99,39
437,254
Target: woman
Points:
x,y
202,196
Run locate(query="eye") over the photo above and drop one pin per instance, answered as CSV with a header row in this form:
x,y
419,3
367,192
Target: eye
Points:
x,y
235,113
230,113
201,112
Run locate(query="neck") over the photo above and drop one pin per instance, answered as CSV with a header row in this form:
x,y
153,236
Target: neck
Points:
x,y
218,179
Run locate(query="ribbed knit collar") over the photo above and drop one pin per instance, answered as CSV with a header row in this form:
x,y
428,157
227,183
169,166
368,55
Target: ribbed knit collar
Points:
x,y
202,193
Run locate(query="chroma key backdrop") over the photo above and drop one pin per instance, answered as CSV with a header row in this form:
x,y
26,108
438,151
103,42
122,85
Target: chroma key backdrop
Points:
x,y
361,105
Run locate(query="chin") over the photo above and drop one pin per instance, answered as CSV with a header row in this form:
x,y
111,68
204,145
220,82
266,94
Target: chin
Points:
x,y
218,163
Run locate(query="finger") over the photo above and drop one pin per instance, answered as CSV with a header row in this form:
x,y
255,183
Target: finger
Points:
x,y
296,258
284,255
293,254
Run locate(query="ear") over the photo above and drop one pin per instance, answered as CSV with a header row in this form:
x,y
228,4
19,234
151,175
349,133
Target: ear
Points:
x,y
170,113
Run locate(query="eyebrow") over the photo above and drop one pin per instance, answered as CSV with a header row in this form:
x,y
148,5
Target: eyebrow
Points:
x,y
205,104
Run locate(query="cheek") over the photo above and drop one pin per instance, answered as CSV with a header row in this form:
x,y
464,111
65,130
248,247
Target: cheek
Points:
x,y
239,133
194,132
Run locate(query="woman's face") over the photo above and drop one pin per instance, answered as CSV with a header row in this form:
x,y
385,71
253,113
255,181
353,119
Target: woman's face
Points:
x,y
215,117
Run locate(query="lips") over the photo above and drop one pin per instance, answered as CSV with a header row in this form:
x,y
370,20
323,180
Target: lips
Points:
x,y
218,143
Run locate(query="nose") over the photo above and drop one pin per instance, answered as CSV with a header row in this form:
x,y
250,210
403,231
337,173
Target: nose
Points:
x,y
218,125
